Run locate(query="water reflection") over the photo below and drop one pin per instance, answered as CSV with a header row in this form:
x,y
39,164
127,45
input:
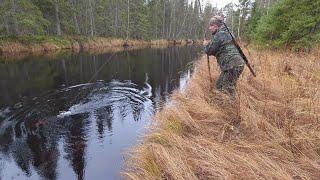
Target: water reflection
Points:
x,y
72,117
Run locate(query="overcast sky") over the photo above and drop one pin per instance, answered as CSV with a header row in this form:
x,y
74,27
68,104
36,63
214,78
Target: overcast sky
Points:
x,y
220,3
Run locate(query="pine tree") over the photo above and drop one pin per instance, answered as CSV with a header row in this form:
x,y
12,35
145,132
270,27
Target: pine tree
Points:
x,y
22,18
290,23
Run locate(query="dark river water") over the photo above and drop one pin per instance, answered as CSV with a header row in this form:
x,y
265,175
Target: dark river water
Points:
x,y
74,116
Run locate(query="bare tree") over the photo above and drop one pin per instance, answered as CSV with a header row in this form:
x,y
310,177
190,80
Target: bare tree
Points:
x,y
268,7
164,18
117,18
58,23
239,24
128,22
15,21
74,15
232,25
91,18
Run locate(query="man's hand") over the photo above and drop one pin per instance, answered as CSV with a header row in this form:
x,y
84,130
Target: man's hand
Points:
x,y
205,42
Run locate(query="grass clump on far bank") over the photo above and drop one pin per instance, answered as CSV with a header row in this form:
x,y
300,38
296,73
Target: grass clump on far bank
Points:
x,y
270,132
15,46
27,40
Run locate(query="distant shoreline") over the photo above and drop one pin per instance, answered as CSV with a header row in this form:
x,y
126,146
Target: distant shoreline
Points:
x,y
11,47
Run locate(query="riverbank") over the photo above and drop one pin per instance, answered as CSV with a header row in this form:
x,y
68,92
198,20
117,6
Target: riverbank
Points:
x,y
270,132
15,46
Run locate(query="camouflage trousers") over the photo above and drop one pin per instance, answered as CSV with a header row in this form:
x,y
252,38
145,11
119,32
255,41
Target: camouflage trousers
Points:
x,y
227,80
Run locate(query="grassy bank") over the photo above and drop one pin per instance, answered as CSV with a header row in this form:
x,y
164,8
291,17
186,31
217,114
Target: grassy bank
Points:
x,y
272,131
14,46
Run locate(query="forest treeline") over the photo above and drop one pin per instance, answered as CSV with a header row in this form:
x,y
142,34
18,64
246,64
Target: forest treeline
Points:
x,y
276,23
137,19
286,23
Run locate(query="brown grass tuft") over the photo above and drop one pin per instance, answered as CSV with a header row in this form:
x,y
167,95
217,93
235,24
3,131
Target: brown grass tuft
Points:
x,y
272,131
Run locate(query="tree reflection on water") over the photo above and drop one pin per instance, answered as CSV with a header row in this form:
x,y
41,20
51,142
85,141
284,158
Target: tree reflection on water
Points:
x,y
47,104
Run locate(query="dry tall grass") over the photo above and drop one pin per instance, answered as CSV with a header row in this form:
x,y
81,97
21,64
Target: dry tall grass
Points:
x,y
271,132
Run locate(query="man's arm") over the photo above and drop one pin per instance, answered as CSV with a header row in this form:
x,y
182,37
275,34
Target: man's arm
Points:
x,y
212,47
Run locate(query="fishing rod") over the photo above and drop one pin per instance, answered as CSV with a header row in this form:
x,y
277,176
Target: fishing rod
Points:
x,y
204,38
208,60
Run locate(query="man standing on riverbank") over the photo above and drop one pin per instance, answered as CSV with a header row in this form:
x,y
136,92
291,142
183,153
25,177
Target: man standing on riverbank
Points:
x,y
228,57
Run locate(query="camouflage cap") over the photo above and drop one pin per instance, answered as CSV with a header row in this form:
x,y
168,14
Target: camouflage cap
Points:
x,y
218,20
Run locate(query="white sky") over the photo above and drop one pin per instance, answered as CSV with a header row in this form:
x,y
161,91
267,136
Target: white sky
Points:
x,y
220,3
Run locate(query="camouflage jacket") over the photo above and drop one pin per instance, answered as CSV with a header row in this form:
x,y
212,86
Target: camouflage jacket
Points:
x,y
222,47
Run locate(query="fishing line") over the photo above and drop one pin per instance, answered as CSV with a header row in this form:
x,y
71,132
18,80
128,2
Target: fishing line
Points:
x,y
26,110
96,73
